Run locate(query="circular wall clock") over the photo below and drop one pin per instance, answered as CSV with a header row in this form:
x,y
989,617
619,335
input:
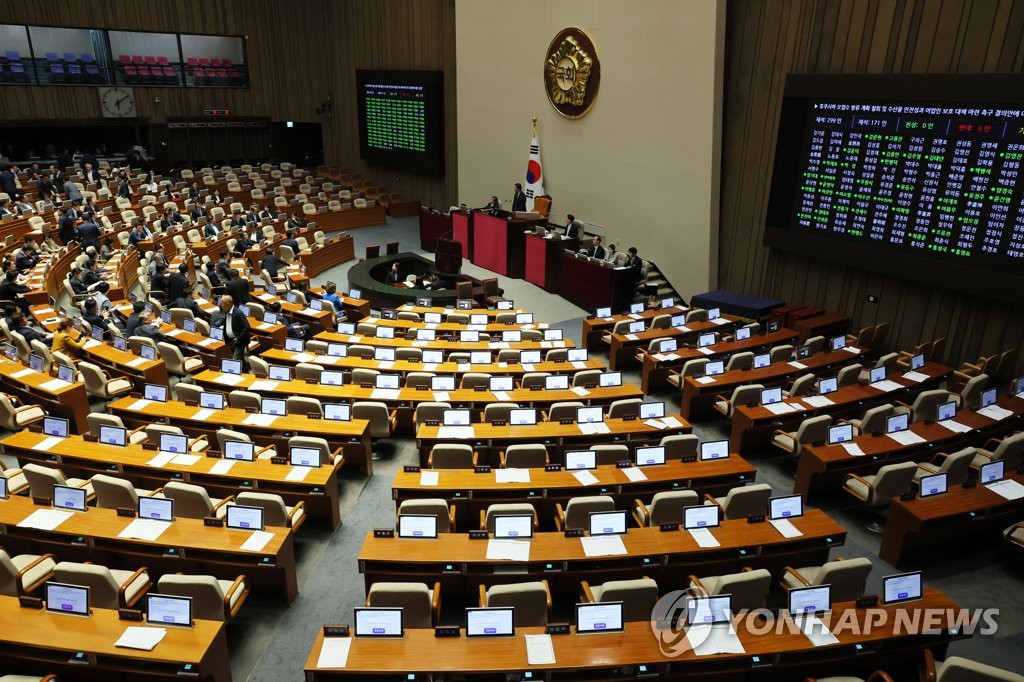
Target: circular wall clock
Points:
x,y
117,102
572,73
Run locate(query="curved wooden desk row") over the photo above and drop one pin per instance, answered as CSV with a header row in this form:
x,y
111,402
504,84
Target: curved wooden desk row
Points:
x,y
449,346
488,439
699,394
352,436
27,635
962,515
622,348
58,398
186,546
75,457
472,493
637,653
752,426
593,328
824,467
669,557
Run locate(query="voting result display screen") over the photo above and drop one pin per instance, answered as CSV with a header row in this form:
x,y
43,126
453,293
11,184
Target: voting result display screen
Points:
x,y
401,119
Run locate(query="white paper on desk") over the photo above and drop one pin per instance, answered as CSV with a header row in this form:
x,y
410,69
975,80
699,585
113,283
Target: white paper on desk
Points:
x,y
779,408
587,428
230,379
429,478
139,404
202,414
654,423
632,337
222,466
355,338
144,529
508,550
545,344
704,537
512,475
816,631
476,327
385,393
916,377
634,474
297,473
672,356
853,449
455,432
558,344
660,357
257,541
797,365
578,365
172,333
635,316
585,477
817,400
671,422
326,359
334,652
1007,488
684,328
136,362
539,650
995,412
601,428
54,385
303,357
886,385
264,325
185,460
260,419
21,373
429,366
207,342
705,350
45,519
705,380
714,639
603,545
419,344
142,638
161,459
580,391
954,426
91,343
719,321
441,396
501,396
906,437
527,367
785,528
47,443
852,349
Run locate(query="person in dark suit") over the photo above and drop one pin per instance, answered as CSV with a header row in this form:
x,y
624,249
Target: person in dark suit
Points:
x,y
296,330
27,256
294,223
177,283
92,177
139,233
211,230
393,277
596,250
89,208
493,206
133,321
236,328
289,241
90,277
124,188
518,199
8,183
89,234
266,214
238,220
45,189
66,230
223,266
196,211
634,263
253,216
271,263
3,208
148,328
237,288
216,198
573,228
12,290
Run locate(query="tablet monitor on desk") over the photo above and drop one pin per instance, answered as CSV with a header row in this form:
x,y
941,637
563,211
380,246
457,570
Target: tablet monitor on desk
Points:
x,y
269,318
189,326
810,601
96,333
170,442
425,335
69,498
65,373
678,321
165,609
876,374
636,327
586,415
803,352
346,328
701,516
480,357
113,435
463,304
501,384
147,352
716,610
553,335
432,318
3,488
917,362
667,303
512,336
603,312
522,417
433,357
11,353
786,507
668,345
387,381
294,345
826,386
389,314
513,526
933,485
239,450
455,418
837,342
714,449
524,318
714,313
155,392
55,426
988,397
216,333
597,617
607,523
211,400
652,410
636,308
165,316
241,517
529,357
580,459
771,395
505,305
947,410
743,333
490,622
304,457
762,360
609,379
156,508
229,366
331,377
714,368
339,412
445,383
901,587
840,433
469,336
478,318
556,382
419,526
650,456
35,362
273,406
992,472
337,350
385,332
63,598
378,622
897,422
422,301
355,293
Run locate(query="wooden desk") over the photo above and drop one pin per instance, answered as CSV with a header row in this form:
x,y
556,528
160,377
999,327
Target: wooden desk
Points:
x,y
335,252
752,426
622,348
789,656
58,398
656,366
186,546
592,286
543,260
828,324
823,468
472,493
489,439
948,519
698,398
352,436
594,328
446,346
27,641
461,564
75,457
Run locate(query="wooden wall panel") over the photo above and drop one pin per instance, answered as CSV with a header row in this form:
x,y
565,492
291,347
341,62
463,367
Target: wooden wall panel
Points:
x,y
767,39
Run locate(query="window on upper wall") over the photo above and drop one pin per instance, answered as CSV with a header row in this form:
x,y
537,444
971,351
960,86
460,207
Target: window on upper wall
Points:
x,y
214,60
145,58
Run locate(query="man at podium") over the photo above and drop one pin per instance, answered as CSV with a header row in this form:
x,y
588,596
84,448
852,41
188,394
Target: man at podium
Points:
x,y
518,199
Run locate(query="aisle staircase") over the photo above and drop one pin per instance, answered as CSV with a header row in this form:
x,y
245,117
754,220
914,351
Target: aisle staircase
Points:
x,y
657,279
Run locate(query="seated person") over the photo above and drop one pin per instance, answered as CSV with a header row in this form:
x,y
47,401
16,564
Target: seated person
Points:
x,y
93,316
148,328
394,278
187,300
272,264
331,294
296,330
19,323
12,290
67,339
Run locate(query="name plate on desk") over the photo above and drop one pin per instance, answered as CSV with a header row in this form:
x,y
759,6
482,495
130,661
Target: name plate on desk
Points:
x,y
383,532
482,469
553,467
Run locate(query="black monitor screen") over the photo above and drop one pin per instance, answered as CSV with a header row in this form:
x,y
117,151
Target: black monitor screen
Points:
x,y
401,119
919,175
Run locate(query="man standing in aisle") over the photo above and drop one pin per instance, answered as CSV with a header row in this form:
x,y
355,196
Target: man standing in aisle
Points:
x,y
236,329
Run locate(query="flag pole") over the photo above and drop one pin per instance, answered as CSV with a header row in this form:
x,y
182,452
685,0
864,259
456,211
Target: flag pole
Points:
x,y
534,126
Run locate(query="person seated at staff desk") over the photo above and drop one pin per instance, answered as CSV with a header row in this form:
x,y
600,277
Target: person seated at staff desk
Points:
x,y
394,278
65,342
493,206
596,250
